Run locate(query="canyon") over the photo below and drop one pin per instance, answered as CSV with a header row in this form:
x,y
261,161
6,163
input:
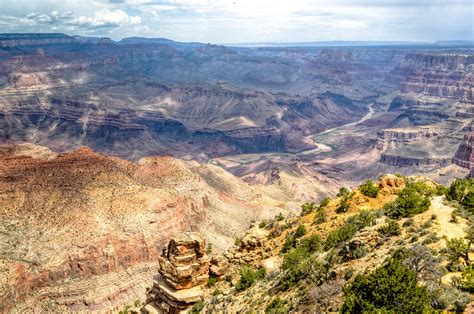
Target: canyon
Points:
x,y
108,149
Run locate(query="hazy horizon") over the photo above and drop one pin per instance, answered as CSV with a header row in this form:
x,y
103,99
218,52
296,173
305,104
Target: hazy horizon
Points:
x,y
244,21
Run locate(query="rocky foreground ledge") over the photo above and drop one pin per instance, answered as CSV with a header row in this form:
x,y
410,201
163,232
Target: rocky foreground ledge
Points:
x,y
184,271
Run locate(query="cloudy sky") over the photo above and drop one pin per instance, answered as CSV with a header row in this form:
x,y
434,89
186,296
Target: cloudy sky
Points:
x,y
243,21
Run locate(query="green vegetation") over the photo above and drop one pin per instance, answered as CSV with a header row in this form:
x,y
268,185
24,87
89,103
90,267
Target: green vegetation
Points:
x,y
248,276
392,228
351,226
279,217
368,188
307,208
462,191
412,200
197,308
237,241
390,288
325,202
457,248
313,243
300,231
467,279
345,194
290,240
277,306
320,216
343,191
209,249
299,264
211,281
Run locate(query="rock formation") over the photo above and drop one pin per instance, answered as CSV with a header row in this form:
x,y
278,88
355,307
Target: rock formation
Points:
x,y
464,156
184,270
438,74
391,138
79,230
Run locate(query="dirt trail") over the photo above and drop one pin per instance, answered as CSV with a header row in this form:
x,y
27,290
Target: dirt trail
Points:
x,y
443,213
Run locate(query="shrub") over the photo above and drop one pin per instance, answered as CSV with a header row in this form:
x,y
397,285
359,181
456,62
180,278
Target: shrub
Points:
x,y
299,264
462,191
360,251
211,281
263,224
209,249
390,288
392,228
313,243
408,223
368,188
300,231
324,202
290,242
320,216
410,202
237,241
197,308
343,191
457,248
248,276
467,279
306,208
349,229
343,206
277,306
279,217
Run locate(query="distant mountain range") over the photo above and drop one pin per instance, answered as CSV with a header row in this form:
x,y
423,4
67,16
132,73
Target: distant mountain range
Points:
x,y
178,44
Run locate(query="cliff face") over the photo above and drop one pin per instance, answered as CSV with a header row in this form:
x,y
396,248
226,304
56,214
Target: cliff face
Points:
x,y
81,231
442,75
408,161
464,156
392,138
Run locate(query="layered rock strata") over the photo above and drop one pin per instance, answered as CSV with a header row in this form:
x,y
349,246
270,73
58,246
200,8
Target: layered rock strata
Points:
x,y
464,156
184,270
394,137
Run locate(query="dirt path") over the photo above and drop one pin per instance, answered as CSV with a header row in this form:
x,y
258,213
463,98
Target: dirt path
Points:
x,y
443,213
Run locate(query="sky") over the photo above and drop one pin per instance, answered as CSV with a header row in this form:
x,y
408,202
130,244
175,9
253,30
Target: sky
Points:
x,y
245,21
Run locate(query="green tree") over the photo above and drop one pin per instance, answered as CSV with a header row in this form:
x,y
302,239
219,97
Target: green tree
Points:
x,y
300,231
409,202
390,288
467,279
306,208
368,188
457,248
248,276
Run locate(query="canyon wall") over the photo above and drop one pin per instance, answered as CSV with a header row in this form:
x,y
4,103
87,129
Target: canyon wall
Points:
x,y
82,231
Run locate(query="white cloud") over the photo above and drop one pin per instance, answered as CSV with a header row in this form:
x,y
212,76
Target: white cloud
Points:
x,y
106,18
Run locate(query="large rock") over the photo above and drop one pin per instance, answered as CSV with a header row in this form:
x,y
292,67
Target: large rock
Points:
x,y
184,270
464,156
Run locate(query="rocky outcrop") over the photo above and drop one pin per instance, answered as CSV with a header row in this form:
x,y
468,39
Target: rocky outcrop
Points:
x,y
252,248
392,138
184,270
391,184
408,161
404,103
415,117
464,156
